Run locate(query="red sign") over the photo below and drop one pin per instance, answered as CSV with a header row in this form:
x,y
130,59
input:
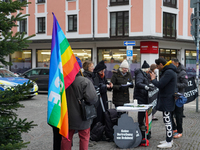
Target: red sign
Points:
x,y
148,47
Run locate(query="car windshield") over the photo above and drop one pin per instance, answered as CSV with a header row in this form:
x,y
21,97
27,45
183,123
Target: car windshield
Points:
x,y
6,73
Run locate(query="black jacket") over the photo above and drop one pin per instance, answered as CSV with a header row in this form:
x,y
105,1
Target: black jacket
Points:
x,y
88,75
120,96
167,88
142,79
182,78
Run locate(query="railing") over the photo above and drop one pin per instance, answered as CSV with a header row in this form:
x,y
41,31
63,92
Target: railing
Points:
x,y
169,33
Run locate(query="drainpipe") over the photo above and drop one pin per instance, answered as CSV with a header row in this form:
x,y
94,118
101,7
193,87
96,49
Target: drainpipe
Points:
x,y
93,19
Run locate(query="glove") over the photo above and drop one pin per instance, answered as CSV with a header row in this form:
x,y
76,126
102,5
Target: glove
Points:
x,y
148,88
131,85
151,85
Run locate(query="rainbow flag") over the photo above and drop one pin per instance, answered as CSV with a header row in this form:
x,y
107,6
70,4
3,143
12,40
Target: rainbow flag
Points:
x,y
63,69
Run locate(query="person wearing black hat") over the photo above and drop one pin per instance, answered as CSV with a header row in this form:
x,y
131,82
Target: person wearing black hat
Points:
x,y
142,81
101,82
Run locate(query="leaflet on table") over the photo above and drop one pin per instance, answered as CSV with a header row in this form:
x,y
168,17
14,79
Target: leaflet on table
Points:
x,y
130,108
127,84
140,105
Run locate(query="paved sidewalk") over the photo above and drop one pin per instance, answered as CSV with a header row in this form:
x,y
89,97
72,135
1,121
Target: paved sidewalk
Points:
x,y
41,136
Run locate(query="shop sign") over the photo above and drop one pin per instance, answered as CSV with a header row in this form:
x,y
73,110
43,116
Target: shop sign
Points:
x,y
148,47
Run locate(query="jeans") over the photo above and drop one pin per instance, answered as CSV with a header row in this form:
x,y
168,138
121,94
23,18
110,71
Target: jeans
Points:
x,y
167,119
178,112
84,136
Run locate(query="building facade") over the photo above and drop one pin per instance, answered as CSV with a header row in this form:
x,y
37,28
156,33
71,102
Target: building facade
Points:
x,y
97,29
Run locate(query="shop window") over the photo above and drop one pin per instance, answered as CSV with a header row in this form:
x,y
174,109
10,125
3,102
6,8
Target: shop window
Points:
x,y
21,61
119,2
119,24
23,26
83,54
41,25
114,56
170,3
190,62
41,1
43,56
72,23
169,25
168,54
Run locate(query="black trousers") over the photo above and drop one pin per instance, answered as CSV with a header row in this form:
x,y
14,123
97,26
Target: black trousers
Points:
x,y
167,119
56,138
178,114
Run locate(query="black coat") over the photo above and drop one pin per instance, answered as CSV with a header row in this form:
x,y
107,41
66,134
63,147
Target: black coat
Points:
x,y
182,78
142,79
88,75
167,88
120,96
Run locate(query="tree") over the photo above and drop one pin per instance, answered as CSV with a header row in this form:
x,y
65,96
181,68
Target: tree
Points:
x,y
11,127
9,41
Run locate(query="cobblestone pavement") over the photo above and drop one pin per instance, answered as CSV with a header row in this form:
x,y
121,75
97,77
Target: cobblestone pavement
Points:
x,y
40,137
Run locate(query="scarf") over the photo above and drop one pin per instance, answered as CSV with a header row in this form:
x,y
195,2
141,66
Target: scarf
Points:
x,y
102,75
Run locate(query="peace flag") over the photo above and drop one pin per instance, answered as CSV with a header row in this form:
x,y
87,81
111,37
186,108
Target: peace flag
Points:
x,y
62,72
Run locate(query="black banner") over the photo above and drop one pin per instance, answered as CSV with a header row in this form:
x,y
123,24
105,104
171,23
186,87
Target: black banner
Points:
x,y
191,91
152,95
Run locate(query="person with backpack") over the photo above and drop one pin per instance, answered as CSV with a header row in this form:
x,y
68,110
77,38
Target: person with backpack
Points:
x,y
182,82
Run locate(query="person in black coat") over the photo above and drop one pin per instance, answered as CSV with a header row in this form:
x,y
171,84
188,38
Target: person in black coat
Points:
x,y
166,101
142,81
88,67
182,81
119,78
101,82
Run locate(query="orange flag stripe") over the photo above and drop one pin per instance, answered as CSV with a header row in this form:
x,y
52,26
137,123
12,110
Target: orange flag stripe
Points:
x,y
66,56
67,67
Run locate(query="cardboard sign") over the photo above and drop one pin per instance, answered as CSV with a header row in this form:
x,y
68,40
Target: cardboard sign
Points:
x,y
127,133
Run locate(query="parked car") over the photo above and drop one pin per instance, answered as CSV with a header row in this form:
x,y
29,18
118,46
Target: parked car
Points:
x,y
9,80
40,75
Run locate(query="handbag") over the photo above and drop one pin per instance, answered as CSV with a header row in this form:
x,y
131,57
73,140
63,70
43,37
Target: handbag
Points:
x,y
87,111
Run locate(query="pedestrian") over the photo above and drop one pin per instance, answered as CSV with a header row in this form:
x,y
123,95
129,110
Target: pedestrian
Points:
x,y
166,102
88,67
182,81
101,82
153,68
142,81
82,88
121,77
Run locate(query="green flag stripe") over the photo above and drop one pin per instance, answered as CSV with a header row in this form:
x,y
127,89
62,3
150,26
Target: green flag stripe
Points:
x,y
64,45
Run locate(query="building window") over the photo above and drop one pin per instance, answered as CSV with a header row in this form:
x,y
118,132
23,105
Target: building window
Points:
x,y
72,23
190,62
22,0
41,1
114,56
23,26
119,24
5,1
168,54
21,61
43,56
169,25
119,2
41,25
170,3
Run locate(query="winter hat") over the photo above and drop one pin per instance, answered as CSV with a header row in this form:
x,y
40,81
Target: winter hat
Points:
x,y
124,64
180,101
79,62
100,66
145,65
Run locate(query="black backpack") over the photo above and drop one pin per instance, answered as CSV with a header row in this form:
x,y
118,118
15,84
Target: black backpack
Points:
x,y
96,133
111,118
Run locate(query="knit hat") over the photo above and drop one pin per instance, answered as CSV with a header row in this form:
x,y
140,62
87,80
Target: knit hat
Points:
x,y
79,62
145,65
124,64
100,66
